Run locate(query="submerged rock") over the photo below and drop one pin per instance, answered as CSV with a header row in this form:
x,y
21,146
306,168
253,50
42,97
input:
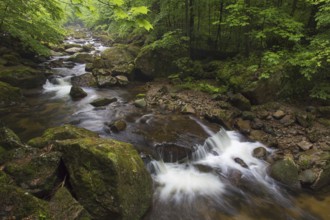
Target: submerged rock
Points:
x,y
77,92
108,177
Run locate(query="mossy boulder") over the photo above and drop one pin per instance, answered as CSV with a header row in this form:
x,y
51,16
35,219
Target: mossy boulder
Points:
x,y
22,76
8,139
63,206
85,80
35,171
9,95
103,101
82,58
286,172
108,177
16,203
77,93
60,133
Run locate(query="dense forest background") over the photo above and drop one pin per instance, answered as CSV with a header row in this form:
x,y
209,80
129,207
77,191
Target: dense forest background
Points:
x,y
234,43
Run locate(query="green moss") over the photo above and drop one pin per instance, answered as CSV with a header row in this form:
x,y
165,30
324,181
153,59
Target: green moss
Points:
x,y
286,172
9,95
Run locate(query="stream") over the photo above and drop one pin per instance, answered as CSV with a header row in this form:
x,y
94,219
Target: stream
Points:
x,y
200,170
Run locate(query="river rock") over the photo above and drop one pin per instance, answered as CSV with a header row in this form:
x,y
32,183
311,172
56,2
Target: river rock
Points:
x,y
308,176
140,103
107,177
240,102
170,152
241,162
260,153
77,92
8,139
68,46
64,206
82,58
305,145
74,50
305,120
286,172
243,126
279,114
22,77
106,81
85,80
222,117
89,67
60,133
35,171
87,47
122,80
117,126
103,102
323,178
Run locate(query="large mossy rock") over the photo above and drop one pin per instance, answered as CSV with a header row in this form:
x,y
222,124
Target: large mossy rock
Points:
x,y
85,80
60,133
82,58
119,59
15,203
8,139
286,172
108,177
63,206
22,76
9,95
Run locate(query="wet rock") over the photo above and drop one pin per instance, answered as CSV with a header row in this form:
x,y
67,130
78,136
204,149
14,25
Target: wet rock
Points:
x,y
77,92
279,114
308,177
240,102
117,126
106,81
64,206
170,152
89,67
243,126
257,124
305,145
241,162
34,171
323,178
74,50
82,58
22,77
8,139
260,153
103,102
85,80
51,135
68,46
222,117
122,80
140,103
87,47
286,172
108,177
102,72
188,109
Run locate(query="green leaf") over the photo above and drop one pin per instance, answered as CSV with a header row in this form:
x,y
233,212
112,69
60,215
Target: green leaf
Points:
x,y
117,2
120,13
139,10
143,23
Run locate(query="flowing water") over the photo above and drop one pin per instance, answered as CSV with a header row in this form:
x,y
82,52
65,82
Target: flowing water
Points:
x,y
200,170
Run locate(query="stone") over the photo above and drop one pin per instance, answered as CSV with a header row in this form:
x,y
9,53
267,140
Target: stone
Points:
x,y
171,153
260,153
240,102
247,115
87,47
308,176
8,139
257,124
85,80
82,58
74,50
188,109
89,67
9,95
51,135
103,102
140,103
64,206
106,81
287,120
286,172
122,80
222,117
323,178
241,162
304,120
68,46
243,126
305,145
77,93
108,177
279,114
117,126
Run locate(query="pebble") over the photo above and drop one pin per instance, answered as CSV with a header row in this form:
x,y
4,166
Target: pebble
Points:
x,y
279,114
305,145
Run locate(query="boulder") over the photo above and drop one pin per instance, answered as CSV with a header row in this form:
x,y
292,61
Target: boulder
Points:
x,y
308,177
102,102
305,145
77,93
74,50
286,172
9,95
140,103
82,58
222,117
85,80
260,153
63,206
8,139
122,80
117,126
89,67
240,102
106,81
60,133
107,177
243,126
22,77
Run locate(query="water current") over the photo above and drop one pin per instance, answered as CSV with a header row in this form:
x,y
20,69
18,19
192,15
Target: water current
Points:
x,y
200,170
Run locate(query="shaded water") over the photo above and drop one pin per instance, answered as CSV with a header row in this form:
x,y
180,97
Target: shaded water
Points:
x,y
193,163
